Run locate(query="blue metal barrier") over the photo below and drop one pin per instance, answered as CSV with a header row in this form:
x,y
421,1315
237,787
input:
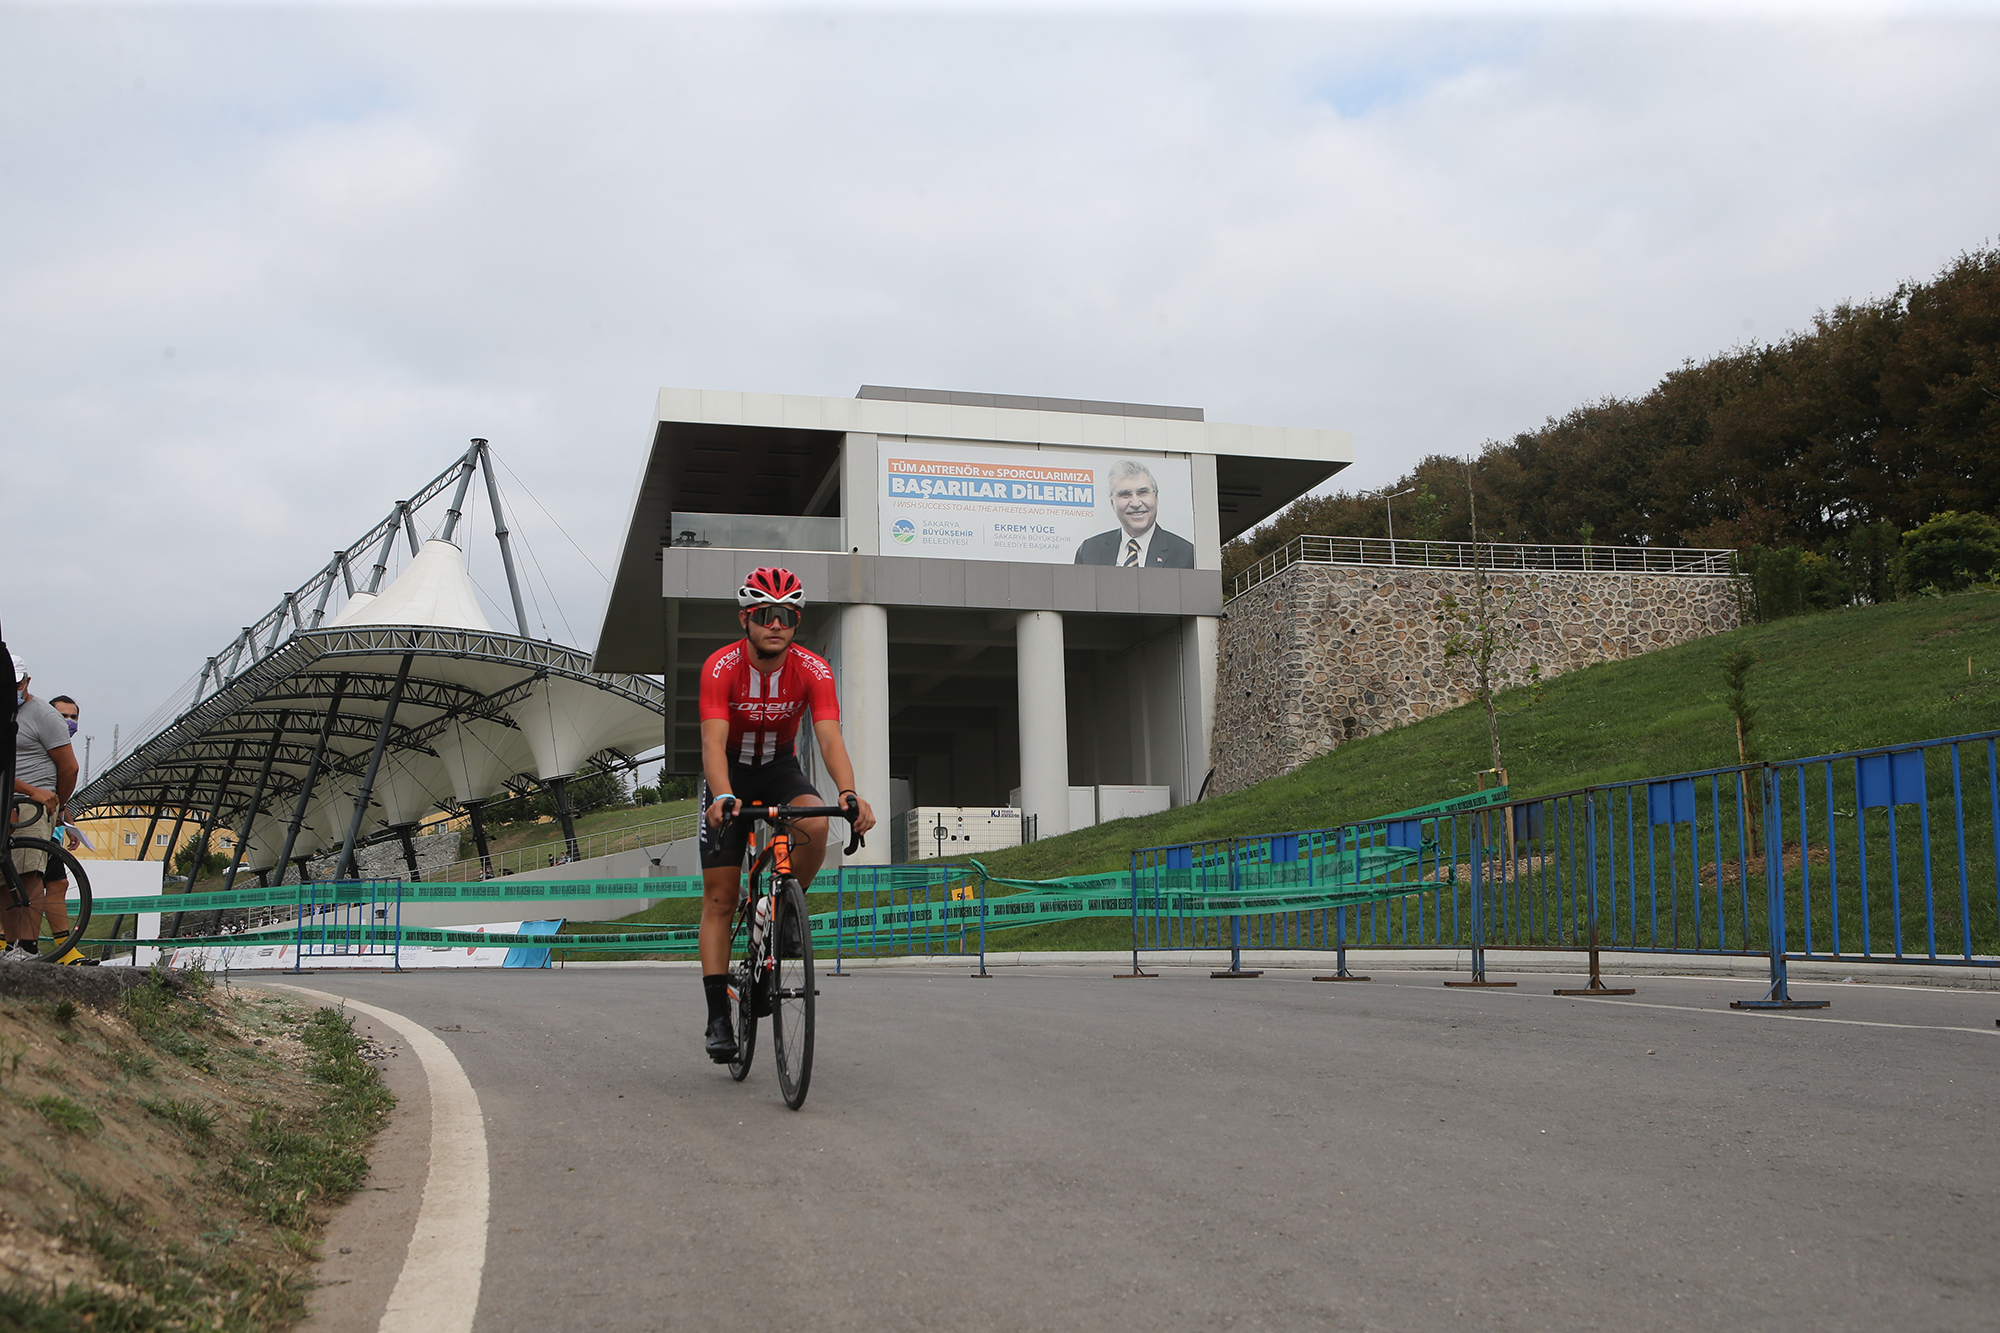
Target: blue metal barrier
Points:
x,y
328,911
1880,856
897,909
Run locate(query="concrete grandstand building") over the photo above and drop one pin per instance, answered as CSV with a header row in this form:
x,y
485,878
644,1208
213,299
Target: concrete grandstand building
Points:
x,y
1016,593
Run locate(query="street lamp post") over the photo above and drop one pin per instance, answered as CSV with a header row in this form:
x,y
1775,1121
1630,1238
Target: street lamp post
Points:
x,y
1388,502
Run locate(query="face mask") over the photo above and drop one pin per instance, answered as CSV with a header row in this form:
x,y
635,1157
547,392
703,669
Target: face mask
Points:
x,y
72,725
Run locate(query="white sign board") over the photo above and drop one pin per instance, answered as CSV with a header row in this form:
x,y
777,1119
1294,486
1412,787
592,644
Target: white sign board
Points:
x,y
1043,506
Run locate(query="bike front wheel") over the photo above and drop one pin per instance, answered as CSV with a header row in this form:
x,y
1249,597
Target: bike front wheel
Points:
x,y
743,992
793,994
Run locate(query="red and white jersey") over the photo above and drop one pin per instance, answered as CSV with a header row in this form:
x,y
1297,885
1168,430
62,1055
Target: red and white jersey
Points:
x,y
764,709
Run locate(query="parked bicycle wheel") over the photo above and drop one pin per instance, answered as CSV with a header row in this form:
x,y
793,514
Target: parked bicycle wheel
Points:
x,y
51,946
793,994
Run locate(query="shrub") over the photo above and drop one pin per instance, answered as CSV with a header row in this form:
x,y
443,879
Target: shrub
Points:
x,y
1950,550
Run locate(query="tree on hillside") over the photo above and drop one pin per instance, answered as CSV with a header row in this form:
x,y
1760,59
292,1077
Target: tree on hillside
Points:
x,y
1481,631
1736,676
1950,551
1884,412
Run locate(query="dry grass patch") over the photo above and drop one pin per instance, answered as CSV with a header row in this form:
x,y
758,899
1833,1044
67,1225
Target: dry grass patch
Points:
x,y
167,1160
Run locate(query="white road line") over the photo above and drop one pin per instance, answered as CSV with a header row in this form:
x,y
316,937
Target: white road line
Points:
x,y
1725,1013
438,1290
1790,1018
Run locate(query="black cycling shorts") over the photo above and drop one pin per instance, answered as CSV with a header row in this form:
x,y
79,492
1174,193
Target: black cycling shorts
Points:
x,y
775,783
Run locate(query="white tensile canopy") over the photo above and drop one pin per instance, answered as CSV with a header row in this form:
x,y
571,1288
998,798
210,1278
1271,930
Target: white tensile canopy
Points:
x,y
463,714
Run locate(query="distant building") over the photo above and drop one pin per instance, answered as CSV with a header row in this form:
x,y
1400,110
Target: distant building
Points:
x,y
1015,592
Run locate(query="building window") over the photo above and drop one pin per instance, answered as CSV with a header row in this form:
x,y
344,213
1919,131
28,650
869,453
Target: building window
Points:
x,y
131,840
159,839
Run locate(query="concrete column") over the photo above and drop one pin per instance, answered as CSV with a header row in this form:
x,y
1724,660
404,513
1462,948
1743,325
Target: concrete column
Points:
x,y
864,718
1044,695
1199,639
860,489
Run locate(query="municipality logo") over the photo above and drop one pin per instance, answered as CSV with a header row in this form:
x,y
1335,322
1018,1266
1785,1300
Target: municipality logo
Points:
x,y
903,530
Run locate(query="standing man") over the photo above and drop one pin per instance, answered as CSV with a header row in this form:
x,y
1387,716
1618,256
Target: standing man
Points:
x,y
753,695
45,772
56,877
1140,542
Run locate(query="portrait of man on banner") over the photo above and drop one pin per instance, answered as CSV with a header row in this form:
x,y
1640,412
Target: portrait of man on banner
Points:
x,y
1138,542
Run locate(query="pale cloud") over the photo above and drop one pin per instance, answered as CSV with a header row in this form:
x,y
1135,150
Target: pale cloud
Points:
x,y
267,269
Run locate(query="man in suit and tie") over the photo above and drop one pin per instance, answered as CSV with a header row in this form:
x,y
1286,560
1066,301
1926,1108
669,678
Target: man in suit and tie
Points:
x,y
1139,542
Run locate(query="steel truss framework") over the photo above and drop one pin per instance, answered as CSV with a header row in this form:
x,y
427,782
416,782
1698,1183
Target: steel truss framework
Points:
x,y
245,752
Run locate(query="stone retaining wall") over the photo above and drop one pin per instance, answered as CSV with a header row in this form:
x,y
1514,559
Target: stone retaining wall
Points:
x,y
1323,654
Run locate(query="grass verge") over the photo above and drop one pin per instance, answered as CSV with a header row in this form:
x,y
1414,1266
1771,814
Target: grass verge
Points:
x,y
168,1161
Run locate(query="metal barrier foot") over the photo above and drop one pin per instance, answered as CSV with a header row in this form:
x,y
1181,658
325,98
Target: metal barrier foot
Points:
x,y
1779,999
1342,976
1492,985
1127,976
1234,972
1596,984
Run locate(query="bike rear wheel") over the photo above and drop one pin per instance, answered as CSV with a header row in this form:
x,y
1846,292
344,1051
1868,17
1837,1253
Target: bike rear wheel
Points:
x,y
793,994
54,946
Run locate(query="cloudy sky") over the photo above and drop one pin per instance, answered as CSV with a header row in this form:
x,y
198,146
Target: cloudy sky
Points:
x,y
265,268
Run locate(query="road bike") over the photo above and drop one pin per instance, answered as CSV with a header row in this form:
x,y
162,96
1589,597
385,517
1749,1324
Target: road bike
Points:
x,y
773,931
16,896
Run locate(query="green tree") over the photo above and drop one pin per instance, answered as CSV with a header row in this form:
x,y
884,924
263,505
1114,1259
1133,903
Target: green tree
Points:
x,y
1950,550
1480,632
1736,676
1425,514
599,791
212,863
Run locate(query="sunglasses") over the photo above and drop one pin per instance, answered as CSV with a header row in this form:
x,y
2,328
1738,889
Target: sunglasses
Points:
x,y
784,617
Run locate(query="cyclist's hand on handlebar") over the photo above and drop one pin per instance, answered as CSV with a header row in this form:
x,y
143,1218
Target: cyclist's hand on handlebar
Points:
x,y
721,809
863,817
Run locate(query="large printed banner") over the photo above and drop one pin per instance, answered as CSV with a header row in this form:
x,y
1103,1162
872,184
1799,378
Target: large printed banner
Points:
x,y
1046,506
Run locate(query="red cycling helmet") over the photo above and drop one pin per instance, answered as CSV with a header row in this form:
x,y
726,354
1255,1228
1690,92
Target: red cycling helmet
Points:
x,y
769,585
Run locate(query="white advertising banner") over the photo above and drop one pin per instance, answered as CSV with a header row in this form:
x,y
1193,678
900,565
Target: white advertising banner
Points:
x,y
1045,506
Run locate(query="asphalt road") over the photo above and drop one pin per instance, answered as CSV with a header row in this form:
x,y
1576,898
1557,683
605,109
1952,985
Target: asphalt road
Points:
x,y
1056,1149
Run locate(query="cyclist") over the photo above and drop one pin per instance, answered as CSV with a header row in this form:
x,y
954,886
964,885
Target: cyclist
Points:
x,y
753,695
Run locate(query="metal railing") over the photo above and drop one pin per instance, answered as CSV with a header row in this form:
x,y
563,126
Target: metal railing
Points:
x,y
1881,856
1498,556
759,532
543,855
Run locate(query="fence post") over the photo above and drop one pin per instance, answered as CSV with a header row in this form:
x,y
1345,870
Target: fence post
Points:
x,y
1235,968
1340,972
839,912
1478,905
1774,911
1596,986
982,974
299,931
1133,867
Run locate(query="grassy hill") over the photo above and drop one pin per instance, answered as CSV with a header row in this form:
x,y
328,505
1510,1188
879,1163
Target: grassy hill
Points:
x,y
1839,681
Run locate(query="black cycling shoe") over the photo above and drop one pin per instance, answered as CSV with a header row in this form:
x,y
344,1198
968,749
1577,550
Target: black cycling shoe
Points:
x,y
721,1040
760,996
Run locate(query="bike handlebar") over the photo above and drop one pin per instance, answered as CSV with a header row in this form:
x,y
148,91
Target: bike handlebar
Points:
x,y
788,813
